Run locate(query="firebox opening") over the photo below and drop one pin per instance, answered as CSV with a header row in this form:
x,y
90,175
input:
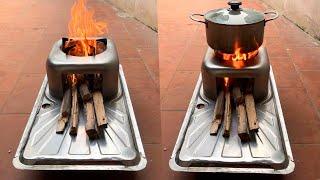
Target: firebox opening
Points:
x,y
92,81
227,83
83,47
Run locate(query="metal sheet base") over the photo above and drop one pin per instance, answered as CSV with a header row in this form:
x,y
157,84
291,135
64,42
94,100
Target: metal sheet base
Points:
x,y
268,152
118,148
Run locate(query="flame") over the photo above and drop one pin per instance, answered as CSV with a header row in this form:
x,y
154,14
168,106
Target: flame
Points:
x,y
238,56
226,82
82,26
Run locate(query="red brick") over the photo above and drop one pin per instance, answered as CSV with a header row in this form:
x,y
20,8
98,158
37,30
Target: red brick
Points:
x,y
22,99
312,84
146,106
136,74
306,58
285,73
150,58
192,58
301,119
180,91
126,48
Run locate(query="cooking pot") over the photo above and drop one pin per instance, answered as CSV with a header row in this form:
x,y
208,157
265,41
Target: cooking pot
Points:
x,y
230,28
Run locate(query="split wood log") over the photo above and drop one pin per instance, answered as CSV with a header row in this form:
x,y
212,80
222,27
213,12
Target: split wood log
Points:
x,y
241,113
91,120
61,125
74,112
84,92
66,103
242,123
237,95
99,109
217,114
251,113
227,114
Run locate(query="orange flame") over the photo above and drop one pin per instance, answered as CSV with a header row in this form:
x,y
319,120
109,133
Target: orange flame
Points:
x,y
82,26
226,82
238,56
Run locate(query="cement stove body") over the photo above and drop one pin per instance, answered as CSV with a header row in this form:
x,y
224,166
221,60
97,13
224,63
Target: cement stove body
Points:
x,y
119,146
269,150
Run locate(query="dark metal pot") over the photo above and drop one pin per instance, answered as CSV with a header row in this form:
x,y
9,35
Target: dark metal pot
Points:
x,y
235,27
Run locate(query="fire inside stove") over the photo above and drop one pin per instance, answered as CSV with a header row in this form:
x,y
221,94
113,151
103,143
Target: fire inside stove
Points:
x,y
83,29
238,59
237,55
242,76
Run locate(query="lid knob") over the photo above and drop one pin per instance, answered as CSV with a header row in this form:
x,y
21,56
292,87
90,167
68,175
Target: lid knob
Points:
x,y
234,4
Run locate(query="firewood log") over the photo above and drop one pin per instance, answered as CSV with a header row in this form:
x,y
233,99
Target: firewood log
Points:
x,y
241,113
219,106
84,92
91,120
66,103
74,112
61,125
251,113
227,115
242,123
237,95
217,114
99,109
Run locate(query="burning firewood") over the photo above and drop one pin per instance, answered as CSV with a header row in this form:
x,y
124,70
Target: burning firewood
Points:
x,y
61,125
66,103
91,120
227,114
237,95
74,112
251,110
84,92
217,114
99,109
64,112
241,112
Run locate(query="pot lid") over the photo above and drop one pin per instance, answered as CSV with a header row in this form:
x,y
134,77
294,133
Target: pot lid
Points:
x,y
234,15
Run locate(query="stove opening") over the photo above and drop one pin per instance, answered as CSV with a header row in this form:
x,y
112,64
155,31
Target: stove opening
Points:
x,y
75,47
92,81
227,84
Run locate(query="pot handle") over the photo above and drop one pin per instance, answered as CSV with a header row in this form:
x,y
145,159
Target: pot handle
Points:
x,y
197,20
275,15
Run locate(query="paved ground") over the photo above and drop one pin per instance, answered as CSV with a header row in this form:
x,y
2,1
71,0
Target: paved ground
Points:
x,y
28,30
293,55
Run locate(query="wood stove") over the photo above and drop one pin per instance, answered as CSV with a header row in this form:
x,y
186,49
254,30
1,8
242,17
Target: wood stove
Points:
x,y
117,146
256,68
208,142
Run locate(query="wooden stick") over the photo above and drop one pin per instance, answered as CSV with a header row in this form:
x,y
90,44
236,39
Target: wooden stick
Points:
x,y
217,114
251,113
242,123
227,115
99,109
241,112
66,103
61,125
237,95
74,112
219,107
91,120
84,92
